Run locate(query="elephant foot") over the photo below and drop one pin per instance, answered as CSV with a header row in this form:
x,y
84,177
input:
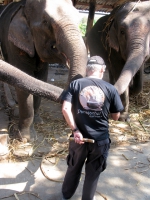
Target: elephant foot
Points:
x,y
38,119
29,136
24,136
14,133
4,151
124,116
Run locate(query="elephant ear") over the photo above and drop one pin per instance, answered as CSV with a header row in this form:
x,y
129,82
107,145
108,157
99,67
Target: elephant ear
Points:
x,y
19,33
112,38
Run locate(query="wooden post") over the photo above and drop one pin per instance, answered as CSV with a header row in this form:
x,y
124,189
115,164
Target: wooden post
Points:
x,y
74,2
92,7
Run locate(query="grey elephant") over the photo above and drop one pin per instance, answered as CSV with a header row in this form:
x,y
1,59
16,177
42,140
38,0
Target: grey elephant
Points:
x,y
122,40
34,33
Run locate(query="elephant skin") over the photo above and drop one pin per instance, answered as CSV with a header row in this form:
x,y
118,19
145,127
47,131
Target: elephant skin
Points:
x,y
12,75
34,34
122,40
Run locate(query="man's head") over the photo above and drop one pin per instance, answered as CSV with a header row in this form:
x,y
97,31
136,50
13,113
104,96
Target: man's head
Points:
x,y
95,66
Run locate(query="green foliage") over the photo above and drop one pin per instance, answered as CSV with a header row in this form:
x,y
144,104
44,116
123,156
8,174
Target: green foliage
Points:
x,y
82,28
83,25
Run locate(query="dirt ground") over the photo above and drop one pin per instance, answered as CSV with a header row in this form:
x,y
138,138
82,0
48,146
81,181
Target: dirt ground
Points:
x,y
36,171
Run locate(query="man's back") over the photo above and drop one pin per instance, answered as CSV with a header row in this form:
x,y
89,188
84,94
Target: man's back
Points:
x,y
92,100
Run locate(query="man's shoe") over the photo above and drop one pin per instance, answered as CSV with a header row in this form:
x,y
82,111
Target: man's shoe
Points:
x,y
64,198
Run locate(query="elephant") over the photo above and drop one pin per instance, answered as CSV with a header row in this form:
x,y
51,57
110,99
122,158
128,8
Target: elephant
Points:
x,y
121,38
34,34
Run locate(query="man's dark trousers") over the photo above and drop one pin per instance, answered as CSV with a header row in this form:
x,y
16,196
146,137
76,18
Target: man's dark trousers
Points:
x,y
94,156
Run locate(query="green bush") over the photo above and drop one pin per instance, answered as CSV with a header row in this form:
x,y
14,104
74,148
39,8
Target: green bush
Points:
x,y
83,25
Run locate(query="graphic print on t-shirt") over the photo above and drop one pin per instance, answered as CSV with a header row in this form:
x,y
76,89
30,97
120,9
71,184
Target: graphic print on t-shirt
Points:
x,y
92,98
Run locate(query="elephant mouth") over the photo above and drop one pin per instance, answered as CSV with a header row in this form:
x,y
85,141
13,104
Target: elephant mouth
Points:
x,y
53,55
67,61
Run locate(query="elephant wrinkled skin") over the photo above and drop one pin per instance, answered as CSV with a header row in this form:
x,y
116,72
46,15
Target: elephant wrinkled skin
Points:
x,y
122,39
34,33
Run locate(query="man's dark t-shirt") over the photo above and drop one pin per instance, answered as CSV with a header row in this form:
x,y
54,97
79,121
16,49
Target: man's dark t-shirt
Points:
x,y
92,100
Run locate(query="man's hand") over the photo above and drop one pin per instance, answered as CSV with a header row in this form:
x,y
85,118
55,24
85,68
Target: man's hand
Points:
x,y
78,137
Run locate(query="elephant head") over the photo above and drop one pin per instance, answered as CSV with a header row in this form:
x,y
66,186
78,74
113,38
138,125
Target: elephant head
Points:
x,y
122,40
130,35
34,33
49,28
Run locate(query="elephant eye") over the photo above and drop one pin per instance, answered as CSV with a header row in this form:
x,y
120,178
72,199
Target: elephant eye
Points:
x,y
122,32
45,22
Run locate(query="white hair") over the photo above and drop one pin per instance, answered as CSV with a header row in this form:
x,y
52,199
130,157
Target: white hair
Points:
x,y
95,67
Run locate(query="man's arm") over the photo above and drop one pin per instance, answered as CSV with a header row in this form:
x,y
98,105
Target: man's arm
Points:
x,y
115,116
67,113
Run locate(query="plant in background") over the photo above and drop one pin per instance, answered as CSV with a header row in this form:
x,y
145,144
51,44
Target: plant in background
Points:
x,y
83,24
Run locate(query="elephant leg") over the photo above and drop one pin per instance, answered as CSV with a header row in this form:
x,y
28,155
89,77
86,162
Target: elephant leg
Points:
x,y
37,103
111,77
137,83
26,114
124,116
41,75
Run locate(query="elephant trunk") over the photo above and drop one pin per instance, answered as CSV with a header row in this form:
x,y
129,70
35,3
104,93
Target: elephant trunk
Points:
x,y
72,45
17,78
132,65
